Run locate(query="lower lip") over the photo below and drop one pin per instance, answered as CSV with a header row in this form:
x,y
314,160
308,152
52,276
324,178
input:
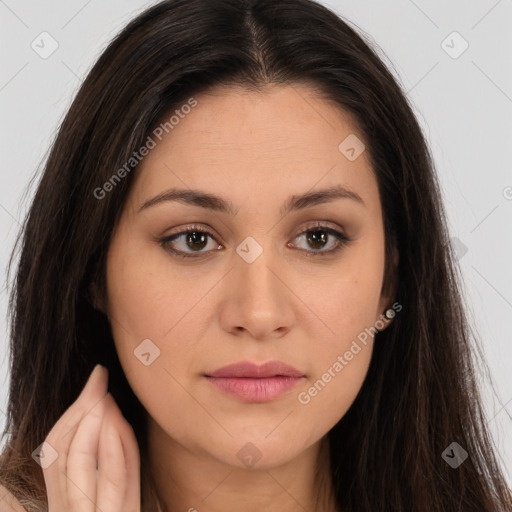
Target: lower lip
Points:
x,y
255,389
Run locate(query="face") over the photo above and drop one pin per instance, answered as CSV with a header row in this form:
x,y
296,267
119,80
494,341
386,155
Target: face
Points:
x,y
193,287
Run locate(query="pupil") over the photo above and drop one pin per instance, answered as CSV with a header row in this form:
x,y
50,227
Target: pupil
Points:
x,y
196,237
317,241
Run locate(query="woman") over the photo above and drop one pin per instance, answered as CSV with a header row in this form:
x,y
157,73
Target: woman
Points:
x,y
240,220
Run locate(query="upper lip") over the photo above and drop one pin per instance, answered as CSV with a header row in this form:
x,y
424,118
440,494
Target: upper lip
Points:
x,y
254,370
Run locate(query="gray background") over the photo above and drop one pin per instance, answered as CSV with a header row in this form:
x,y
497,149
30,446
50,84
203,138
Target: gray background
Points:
x,y
463,101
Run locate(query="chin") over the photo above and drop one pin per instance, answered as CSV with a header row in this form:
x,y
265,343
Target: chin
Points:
x,y
256,451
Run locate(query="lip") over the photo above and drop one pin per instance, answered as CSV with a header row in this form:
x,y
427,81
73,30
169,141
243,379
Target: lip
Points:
x,y
257,371
251,382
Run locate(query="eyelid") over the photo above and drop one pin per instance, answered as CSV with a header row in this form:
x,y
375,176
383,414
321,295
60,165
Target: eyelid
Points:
x,y
183,230
202,228
320,225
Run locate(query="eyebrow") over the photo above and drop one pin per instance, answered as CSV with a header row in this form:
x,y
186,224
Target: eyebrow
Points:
x,y
212,202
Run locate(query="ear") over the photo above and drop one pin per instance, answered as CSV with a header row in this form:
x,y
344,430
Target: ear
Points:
x,y
389,289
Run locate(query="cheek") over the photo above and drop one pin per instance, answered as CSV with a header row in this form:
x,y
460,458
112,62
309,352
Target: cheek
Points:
x,y
348,306
146,297
347,300
155,316
339,360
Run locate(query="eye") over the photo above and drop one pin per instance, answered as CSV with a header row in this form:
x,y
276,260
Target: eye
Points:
x,y
318,235
193,237
196,238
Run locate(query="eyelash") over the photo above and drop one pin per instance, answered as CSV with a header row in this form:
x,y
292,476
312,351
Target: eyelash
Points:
x,y
342,240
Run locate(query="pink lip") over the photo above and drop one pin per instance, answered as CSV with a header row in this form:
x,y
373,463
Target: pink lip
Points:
x,y
248,369
255,383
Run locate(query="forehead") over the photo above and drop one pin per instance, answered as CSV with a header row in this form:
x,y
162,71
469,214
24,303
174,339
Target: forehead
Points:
x,y
245,144
281,119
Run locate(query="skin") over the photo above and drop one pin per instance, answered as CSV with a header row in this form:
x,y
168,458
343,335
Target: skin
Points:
x,y
92,461
255,150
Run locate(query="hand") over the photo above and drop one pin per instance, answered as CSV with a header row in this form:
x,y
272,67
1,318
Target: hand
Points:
x,y
98,463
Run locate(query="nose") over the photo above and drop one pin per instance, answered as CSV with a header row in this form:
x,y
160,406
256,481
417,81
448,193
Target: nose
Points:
x,y
258,301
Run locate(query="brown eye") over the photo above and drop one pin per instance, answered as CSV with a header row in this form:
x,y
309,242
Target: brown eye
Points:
x,y
318,237
191,241
196,240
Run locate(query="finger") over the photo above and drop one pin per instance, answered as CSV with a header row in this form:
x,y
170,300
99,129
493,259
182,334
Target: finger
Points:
x,y
131,456
81,462
62,433
112,472
95,388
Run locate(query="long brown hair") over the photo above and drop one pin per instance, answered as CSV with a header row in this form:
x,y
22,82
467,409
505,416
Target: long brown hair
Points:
x,y
420,394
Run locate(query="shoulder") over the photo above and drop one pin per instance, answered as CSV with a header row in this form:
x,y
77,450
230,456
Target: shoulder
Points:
x,y
8,503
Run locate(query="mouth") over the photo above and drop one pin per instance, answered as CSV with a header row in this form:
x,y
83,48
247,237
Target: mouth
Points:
x,y
251,382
